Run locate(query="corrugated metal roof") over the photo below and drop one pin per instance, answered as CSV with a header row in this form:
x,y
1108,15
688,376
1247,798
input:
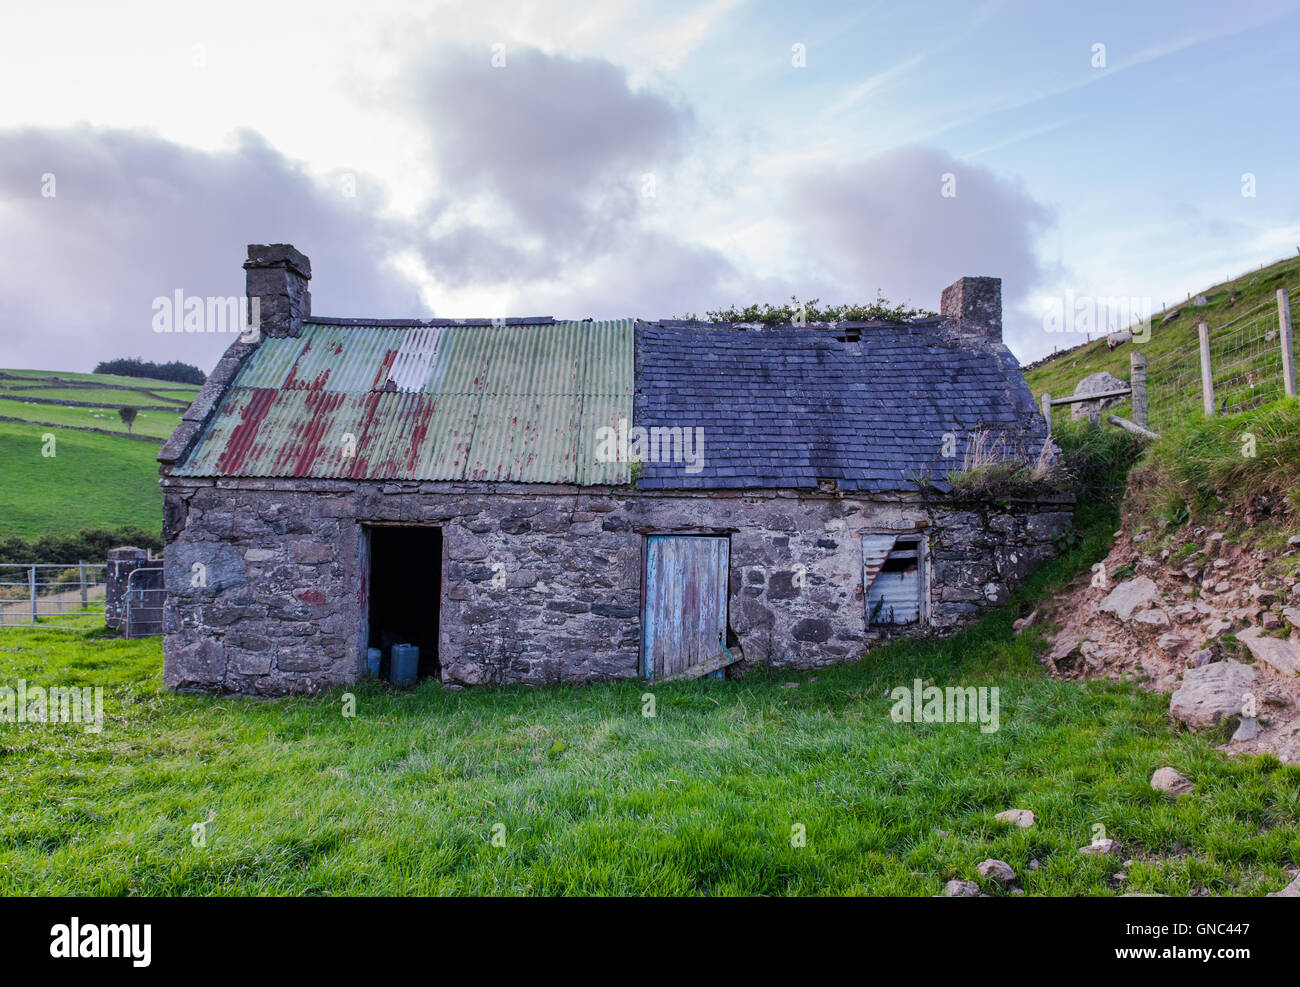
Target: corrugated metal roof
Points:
x,y
512,403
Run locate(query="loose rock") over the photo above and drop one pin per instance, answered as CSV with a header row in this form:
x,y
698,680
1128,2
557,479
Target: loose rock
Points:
x,y
997,870
961,889
1170,782
1136,594
1106,847
1023,818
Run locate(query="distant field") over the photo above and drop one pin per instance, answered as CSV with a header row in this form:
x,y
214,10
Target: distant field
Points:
x,y
104,395
159,424
108,380
92,481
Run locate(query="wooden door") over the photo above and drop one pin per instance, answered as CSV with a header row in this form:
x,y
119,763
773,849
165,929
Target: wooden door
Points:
x,y
684,620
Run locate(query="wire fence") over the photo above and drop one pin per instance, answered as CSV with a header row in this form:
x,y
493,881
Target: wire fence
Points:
x,y
1173,386
52,595
1246,369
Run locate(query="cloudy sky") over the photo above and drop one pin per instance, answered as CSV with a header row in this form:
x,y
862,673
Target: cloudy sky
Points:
x,y
628,158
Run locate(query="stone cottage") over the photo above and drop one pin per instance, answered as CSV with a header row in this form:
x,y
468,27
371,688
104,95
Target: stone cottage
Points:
x,y
539,501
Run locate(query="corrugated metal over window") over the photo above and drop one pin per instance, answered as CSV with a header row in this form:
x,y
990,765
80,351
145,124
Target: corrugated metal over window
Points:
x,y
520,403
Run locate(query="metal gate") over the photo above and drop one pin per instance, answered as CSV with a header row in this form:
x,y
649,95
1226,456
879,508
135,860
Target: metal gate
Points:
x,y
55,595
684,620
144,603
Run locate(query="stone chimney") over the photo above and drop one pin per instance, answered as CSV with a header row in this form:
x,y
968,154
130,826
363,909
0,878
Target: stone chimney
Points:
x,y
975,307
277,277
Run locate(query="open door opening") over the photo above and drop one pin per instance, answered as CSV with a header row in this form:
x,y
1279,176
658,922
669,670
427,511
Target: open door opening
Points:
x,y
406,592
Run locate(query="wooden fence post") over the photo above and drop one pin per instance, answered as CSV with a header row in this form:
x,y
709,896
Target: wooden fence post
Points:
x,y
83,585
1284,334
1047,412
31,588
1207,376
1137,382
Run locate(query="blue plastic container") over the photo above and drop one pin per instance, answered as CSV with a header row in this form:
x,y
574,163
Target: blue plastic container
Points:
x,y
404,668
374,659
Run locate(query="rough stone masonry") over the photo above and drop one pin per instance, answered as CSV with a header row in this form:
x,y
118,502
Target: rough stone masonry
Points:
x,y
279,610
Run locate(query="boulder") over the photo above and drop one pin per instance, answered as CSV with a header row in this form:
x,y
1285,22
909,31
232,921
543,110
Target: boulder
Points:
x,y
997,870
1097,383
1170,782
1151,618
1170,643
1135,594
1277,653
1023,818
961,889
1212,693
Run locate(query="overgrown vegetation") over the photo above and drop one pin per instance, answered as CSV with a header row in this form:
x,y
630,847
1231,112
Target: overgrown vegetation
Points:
x,y
813,311
1094,465
183,373
85,546
1247,463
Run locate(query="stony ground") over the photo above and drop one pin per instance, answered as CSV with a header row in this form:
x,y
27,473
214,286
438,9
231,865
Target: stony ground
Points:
x,y
1214,624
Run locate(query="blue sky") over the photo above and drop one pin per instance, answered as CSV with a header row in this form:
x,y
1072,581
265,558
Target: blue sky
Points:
x,y
179,135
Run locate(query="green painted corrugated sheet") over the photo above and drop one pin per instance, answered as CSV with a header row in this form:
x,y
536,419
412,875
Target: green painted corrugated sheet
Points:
x,y
515,403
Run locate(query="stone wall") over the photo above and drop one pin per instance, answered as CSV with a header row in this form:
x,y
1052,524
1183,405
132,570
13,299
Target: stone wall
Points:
x,y
542,585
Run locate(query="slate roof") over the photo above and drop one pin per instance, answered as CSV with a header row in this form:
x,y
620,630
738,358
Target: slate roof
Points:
x,y
786,406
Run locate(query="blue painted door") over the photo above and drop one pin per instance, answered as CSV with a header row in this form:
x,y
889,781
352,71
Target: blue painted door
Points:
x,y
684,621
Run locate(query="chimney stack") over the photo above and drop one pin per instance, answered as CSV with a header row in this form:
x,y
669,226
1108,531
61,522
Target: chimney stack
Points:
x,y
277,277
975,306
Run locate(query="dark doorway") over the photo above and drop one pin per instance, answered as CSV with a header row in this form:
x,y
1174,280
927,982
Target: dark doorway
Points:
x,y
406,592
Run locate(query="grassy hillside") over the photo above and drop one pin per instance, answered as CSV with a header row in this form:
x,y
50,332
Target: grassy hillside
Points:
x,y
1226,302
92,481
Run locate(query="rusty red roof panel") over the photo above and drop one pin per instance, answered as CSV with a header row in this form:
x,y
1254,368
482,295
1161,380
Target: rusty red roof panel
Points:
x,y
520,403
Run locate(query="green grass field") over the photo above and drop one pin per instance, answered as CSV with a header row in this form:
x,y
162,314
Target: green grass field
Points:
x,y
158,424
572,791
589,796
92,481
108,380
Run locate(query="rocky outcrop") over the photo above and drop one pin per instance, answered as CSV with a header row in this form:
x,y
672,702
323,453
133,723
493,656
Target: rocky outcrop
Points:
x,y
1098,383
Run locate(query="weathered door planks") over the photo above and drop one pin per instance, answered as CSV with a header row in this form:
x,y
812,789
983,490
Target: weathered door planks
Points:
x,y
685,616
